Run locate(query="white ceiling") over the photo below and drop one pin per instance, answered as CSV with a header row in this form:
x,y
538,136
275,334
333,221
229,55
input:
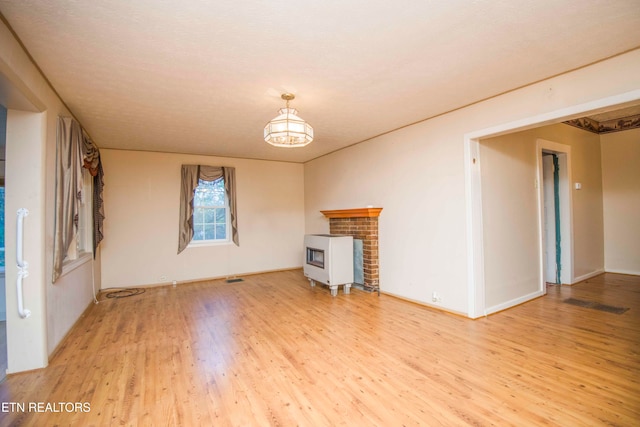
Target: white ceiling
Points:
x,y
204,77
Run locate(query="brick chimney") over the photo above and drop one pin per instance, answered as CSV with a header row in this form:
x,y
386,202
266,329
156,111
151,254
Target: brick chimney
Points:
x,y
361,224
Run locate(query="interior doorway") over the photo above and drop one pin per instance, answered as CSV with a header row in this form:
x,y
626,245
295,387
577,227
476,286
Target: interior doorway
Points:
x,y
476,289
551,209
554,173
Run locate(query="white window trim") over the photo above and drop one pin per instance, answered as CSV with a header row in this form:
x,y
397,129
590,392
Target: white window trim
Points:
x,y
204,243
69,265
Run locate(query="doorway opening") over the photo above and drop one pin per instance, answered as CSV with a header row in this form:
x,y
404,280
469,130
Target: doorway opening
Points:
x,y
554,176
551,209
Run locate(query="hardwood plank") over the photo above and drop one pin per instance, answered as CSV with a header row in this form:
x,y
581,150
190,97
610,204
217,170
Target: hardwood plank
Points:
x,y
273,351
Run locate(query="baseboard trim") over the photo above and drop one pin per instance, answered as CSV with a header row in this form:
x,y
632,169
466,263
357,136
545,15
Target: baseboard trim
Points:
x,y
424,304
586,276
60,344
203,279
627,272
514,302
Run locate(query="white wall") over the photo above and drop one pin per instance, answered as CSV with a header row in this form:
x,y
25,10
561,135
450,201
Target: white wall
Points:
x,y
409,173
26,338
417,175
142,192
31,140
511,214
621,186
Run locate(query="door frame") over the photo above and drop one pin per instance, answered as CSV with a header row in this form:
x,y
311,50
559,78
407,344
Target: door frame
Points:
x,y
566,209
473,183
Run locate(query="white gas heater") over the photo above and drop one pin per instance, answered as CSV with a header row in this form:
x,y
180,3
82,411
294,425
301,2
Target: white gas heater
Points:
x,y
329,260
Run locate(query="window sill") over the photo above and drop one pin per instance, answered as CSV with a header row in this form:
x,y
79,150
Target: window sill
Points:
x,y
70,265
205,243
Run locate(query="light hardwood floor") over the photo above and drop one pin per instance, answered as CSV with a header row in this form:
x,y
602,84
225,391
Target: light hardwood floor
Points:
x,y
273,351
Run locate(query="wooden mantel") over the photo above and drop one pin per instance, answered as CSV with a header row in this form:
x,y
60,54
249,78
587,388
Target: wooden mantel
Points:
x,y
353,213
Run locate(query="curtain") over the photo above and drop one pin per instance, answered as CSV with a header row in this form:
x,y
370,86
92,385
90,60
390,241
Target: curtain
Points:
x,y
190,175
98,209
230,188
188,184
68,187
91,161
74,150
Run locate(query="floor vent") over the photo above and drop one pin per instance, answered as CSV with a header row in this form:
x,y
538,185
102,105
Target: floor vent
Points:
x,y
234,280
596,306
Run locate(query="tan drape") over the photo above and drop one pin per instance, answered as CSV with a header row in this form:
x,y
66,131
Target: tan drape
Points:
x,y
230,188
91,162
190,174
68,187
74,150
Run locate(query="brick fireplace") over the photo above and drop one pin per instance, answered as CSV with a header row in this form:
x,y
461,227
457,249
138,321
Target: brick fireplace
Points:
x,y
361,224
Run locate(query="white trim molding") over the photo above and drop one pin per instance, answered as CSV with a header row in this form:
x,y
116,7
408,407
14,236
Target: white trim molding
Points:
x,y
512,303
587,276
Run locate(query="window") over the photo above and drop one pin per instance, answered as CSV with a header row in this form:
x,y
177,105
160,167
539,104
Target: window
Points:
x,y
208,207
210,212
82,242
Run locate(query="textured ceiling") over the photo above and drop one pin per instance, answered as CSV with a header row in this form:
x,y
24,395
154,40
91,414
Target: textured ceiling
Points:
x,y
204,77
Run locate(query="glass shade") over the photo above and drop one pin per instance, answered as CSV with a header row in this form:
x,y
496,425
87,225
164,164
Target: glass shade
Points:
x,y
288,130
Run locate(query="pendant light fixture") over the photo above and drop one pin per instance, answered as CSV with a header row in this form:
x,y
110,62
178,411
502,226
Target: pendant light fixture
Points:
x,y
287,129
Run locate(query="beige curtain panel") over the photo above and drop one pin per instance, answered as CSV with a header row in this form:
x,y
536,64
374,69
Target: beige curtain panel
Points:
x,y
91,162
74,150
68,187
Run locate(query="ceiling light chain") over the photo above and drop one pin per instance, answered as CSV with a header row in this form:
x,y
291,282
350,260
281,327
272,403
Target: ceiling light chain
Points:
x,y
288,129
